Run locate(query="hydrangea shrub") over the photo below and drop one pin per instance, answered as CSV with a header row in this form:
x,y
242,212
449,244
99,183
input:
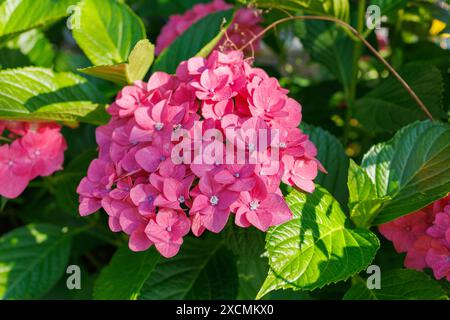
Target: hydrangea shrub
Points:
x,y
189,169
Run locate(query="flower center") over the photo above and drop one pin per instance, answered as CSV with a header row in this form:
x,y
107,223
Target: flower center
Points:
x,y
254,205
162,158
282,145
169,229
159,126
37,152
150,198
251,146
10,163
181,199
214,200
237,175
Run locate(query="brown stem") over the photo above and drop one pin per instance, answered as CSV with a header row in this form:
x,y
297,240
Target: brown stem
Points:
x,y
361,38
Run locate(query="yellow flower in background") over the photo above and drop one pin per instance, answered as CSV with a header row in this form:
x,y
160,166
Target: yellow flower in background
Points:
x,y
437,27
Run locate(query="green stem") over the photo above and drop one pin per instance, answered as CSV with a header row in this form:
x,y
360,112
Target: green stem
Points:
x,y
357,52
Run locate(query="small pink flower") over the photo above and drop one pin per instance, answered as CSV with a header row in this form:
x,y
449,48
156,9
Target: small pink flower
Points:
x,y
260,209
15,169
167,230
217,110
404,231
95,186
143,196
299,172
268,102
174,193
122,190
156,119
237,177
129,99
151,158
213,85
211,208
438,258
441,225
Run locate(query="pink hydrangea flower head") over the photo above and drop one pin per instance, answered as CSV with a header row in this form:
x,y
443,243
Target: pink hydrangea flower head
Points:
x,y
425,237
182,152
37,150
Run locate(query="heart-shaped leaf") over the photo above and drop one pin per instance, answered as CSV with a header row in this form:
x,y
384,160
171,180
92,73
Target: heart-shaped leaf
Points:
x,y
317,247
411,169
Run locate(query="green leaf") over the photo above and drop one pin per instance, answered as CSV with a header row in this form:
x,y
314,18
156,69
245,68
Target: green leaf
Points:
x,y
17,16
317,247
198,40
166,8
139,62
32,259
363,202
29,48
248,246
401,284
34,93
203,269
124,277
335,8
108,31
329,46
389,106
331,154
411,169
387,6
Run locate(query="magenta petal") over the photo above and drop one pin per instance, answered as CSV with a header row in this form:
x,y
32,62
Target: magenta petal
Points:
x,y
148,158
89,205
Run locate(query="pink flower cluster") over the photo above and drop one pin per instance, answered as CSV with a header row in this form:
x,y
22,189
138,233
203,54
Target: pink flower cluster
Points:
x,y
36,149
425,237
245,25
154,198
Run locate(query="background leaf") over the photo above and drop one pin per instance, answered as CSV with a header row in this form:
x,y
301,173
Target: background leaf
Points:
x,y
328,45
204,269
335,8
248,246
401,284
32,259
124,277
21,15
29,48
389,106
331,154
411,169
317,247
108,31
34,93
